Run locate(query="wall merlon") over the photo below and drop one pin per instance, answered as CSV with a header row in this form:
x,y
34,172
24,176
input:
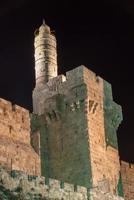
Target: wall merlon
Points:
x,y
7,105
127,165
78,74
75,73
131,165
81,189
68,187
83,74
54,183
57,80
20,110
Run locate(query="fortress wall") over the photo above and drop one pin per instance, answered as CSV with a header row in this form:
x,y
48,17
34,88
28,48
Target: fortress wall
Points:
x,y
15,148
127,173
64,142
14,122
18,156
104,159
49,188
74,128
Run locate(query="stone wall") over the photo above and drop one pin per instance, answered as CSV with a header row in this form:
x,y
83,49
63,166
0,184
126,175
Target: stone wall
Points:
x,y
15,148
14,122
16,185
104,157
127,173
77,146
63,132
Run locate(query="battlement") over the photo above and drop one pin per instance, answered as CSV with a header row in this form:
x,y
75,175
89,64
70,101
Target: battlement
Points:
x,y
49,188
127,165
9,106
42,188
74,79
75,107
76,76
127,173
14,122
15,147
80,72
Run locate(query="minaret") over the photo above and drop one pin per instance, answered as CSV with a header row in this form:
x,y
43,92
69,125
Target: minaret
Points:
x,y
45,55
45,64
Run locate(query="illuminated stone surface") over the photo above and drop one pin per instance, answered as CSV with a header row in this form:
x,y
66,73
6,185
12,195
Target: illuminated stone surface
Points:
x,y
71,139
127,172
74,146
16,151
45,55
18,186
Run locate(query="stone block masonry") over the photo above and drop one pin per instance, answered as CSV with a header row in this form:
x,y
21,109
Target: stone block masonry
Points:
x,y
16,151
17,185
127,173
63,130
104,156
77,144
70,138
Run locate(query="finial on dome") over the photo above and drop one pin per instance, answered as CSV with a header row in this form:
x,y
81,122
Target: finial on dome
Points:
x,y
44,23
44,27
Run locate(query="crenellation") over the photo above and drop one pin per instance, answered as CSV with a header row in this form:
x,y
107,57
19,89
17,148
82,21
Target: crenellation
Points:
x,y
68,187
15,148
54,183
127,174
36,186
6,103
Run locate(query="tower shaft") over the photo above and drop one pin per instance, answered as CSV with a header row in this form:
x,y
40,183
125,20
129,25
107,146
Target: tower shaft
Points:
x,y
45,55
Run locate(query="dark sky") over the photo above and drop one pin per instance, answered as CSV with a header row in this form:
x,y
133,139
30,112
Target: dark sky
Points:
x,y
98,34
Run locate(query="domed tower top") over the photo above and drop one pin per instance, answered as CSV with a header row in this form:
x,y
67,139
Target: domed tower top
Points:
x,y
45,55
44,28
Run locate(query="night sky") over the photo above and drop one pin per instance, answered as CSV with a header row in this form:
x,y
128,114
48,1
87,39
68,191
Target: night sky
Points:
x,y
97,34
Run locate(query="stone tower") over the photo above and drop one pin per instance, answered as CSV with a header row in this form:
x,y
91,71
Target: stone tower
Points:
x,y
75,120
45,56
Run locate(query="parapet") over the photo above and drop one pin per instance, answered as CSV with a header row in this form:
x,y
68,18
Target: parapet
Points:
x,y
126,165
80,72
127,174
42,187
14,121
78,77
46,187
16,151
75,77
